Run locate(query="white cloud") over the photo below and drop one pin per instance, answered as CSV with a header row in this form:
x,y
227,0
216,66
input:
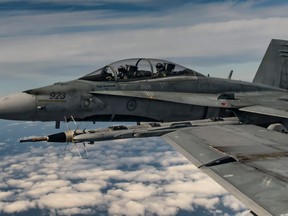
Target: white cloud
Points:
x,y
5,194
159,207
75,211
127,208
94,185
211,38
19,183
181,201
46,187
233,203
68,185
208,203
17,206
84,47
196,187
133,191
204,38
70,200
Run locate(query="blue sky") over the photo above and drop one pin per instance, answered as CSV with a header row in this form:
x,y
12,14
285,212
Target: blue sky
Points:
x,y
43,42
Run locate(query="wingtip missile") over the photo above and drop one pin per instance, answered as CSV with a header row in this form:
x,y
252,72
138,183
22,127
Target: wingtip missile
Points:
x,y
124,132
58,137
34,139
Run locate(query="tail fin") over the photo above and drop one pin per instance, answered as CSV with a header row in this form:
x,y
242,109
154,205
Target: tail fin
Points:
x,y
273,70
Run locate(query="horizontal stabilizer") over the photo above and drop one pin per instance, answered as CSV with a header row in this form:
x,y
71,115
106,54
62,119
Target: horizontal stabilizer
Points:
x,y
266,111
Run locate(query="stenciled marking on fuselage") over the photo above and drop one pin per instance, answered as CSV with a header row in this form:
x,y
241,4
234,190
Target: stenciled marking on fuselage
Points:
x,y
106,86
57,95
150,95
131,105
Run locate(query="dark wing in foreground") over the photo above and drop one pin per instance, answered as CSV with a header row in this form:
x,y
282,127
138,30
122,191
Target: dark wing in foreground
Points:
x,y
248,161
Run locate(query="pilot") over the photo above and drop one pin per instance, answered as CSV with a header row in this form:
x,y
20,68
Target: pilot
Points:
x,y
161,72
122,72
106,75
131,71
160,67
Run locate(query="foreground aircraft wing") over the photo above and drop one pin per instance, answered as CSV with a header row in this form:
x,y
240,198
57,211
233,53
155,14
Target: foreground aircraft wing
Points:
x,y
248,161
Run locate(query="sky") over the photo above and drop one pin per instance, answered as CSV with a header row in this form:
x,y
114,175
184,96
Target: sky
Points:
x,y
48,41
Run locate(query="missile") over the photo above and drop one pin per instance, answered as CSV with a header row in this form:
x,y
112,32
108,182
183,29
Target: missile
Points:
x,y
124,132
35,139
58,137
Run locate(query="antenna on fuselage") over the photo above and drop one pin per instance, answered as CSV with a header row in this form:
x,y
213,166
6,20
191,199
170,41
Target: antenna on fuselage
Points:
x,y
230,74
57,124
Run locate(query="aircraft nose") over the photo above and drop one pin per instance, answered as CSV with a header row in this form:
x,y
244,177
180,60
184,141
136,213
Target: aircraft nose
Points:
x,y
20,106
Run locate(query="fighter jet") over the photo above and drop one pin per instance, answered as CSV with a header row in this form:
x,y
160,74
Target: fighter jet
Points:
x,y
152,90
234,131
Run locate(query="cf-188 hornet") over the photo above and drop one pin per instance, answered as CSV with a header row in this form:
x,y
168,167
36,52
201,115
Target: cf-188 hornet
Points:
x,y
234,131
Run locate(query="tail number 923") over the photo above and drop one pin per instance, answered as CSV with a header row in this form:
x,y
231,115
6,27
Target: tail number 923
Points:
x,y
57,95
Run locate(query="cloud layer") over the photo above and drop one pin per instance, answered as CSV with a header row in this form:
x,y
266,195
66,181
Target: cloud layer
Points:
x,y
136,177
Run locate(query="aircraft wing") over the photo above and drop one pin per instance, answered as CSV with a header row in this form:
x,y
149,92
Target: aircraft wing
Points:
x,y
248,161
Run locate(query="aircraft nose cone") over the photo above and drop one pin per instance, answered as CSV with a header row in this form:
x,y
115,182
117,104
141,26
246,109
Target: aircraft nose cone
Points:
x,y
20,106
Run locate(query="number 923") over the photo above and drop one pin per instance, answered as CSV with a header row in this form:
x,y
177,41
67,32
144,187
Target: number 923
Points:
x,y
57,95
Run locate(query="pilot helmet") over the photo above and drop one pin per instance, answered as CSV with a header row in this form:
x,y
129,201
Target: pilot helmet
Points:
x,y
121,69
159,66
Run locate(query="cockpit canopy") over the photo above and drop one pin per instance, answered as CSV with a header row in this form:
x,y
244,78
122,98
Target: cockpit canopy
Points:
x,y
138,69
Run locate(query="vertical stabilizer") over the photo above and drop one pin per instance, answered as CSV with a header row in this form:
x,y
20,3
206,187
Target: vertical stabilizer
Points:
x,y
273,70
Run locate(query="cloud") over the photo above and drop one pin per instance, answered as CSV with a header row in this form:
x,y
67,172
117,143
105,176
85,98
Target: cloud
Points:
x,y
19,183
5,194
133,191
17,206
45,187
159,182
90,185
195,187
75,211
234,34
208,203
83,48
61,45
233,203
127,208
70,200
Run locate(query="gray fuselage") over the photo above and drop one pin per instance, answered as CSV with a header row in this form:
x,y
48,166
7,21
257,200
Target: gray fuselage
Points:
x,y
74,98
